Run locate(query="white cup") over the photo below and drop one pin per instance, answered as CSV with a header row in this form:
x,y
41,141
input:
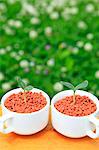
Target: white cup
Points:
x,y
24,123
71,126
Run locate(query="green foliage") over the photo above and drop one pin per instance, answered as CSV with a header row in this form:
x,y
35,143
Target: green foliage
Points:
x,y
69,85
63,44
82,85
23,85
28,88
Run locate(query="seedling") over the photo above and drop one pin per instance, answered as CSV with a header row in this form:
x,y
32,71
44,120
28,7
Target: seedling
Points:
x,y
25,88
82,85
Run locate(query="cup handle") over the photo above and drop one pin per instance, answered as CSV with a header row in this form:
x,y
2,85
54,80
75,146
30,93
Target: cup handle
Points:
x,y
95,121
2,120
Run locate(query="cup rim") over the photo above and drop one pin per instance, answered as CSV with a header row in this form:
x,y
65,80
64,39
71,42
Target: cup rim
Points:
x,y
76,117
17,90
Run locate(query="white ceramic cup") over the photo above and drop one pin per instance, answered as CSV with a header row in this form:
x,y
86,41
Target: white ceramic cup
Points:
x,y
24,123
71,126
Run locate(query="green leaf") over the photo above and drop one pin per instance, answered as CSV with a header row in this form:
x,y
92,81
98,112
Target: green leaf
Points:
x,y
21,83
81,85
28,88
69,85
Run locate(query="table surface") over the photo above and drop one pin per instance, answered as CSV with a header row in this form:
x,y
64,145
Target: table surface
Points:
x,y
46,139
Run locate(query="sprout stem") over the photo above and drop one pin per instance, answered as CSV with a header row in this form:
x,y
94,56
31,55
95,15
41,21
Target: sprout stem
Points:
x,y
74,100
24,96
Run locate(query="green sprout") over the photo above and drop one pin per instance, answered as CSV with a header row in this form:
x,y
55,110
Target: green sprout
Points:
x,y
25,88
82,85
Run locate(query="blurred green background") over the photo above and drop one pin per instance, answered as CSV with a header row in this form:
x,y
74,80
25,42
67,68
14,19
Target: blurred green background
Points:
x,y
47,41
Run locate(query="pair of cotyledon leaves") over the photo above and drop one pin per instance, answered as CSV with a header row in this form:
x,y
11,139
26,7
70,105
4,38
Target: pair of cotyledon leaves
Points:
x,y
23,85
82,85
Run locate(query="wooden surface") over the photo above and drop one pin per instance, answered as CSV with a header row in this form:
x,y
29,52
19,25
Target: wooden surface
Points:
x,y
48,139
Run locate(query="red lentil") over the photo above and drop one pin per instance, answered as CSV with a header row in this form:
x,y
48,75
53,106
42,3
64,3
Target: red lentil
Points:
x,y
84,106
34,102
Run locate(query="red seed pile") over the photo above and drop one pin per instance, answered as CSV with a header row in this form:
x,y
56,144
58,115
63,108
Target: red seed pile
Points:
x,y
34,102
83,106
